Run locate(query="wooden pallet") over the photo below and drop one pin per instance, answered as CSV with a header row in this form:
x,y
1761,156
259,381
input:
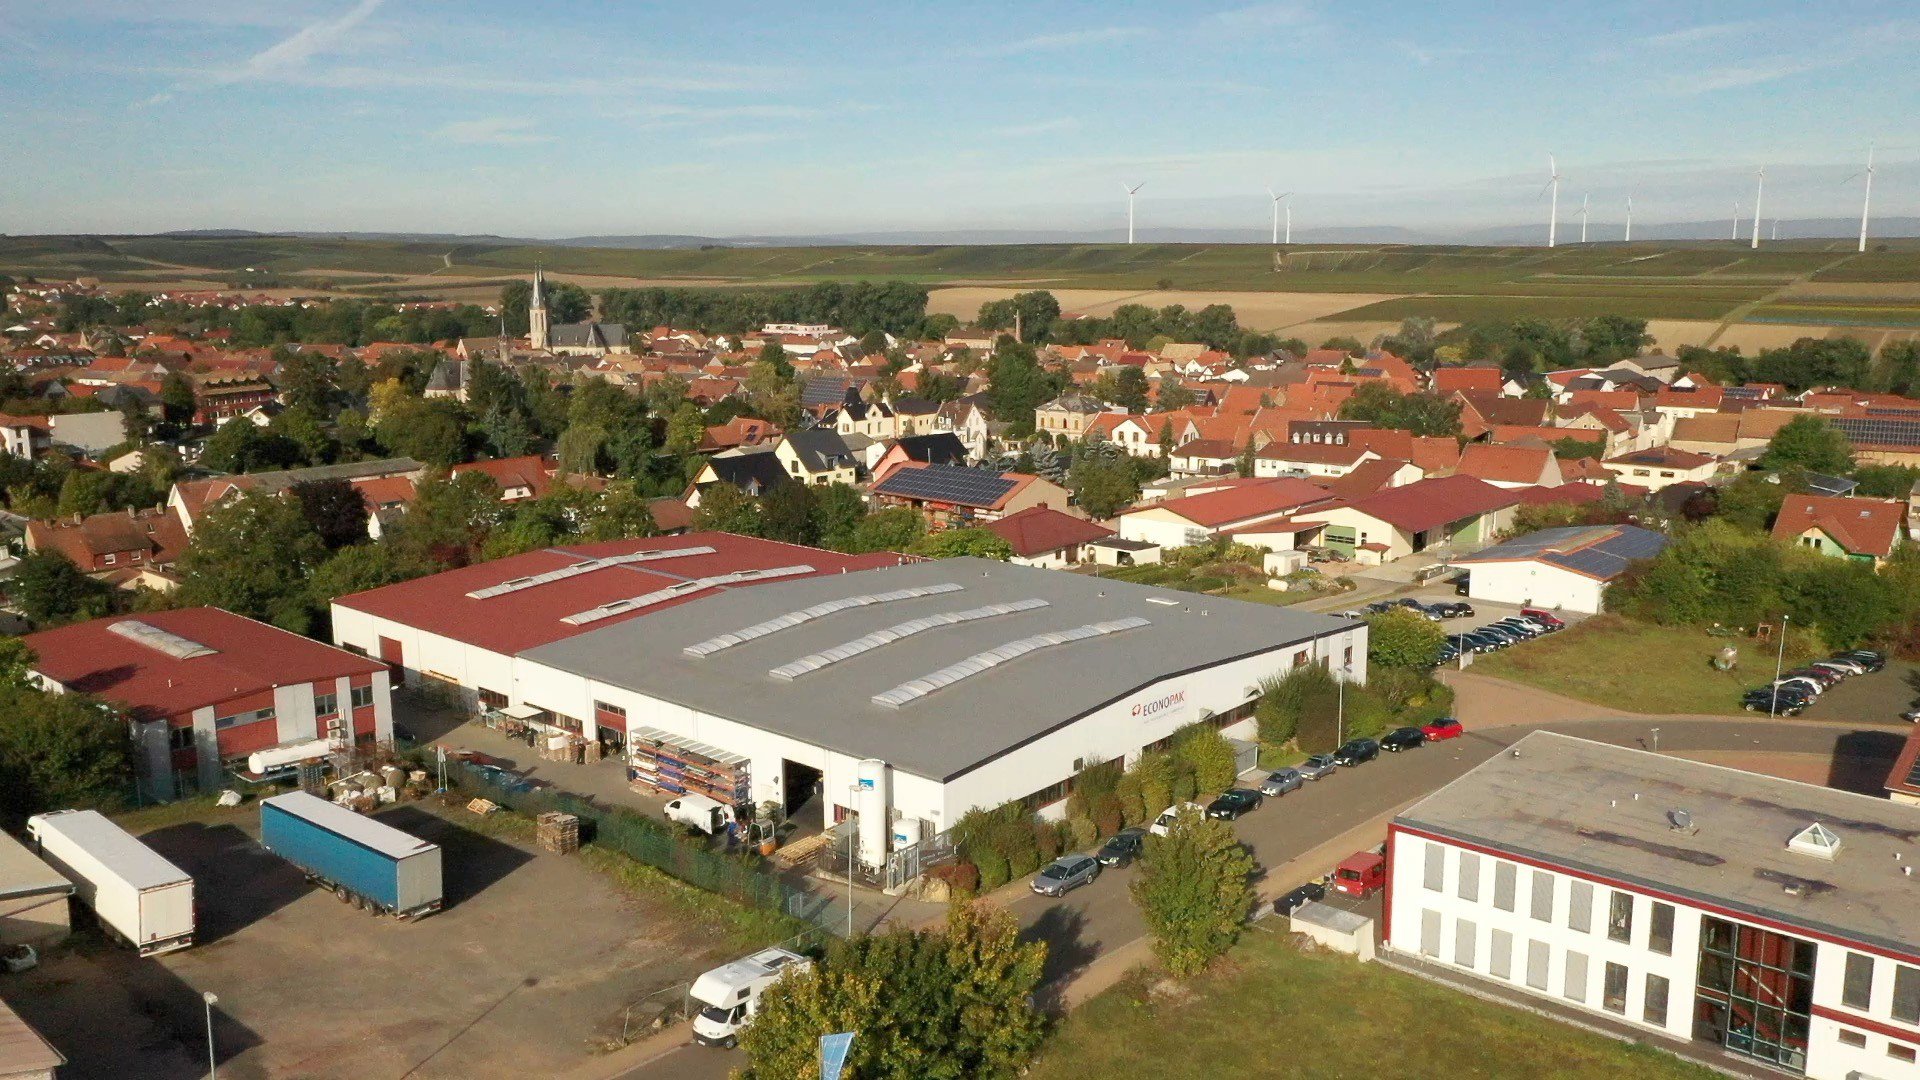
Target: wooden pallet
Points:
x,y
802,852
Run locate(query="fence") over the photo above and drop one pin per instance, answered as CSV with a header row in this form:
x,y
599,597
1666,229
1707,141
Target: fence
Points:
x,y
741,878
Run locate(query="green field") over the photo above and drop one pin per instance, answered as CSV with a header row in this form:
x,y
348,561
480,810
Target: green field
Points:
x,y
1635,666
1698,280
1271,1010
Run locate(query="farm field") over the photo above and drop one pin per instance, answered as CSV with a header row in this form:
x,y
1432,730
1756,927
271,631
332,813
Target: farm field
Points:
x,y
1255,310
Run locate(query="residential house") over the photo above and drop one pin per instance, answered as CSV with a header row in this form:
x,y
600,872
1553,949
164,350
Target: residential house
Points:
x,y
942,448
737,432
1662,465
754,472
952,497
25,437
1043,536
1865,530
1510,466
817,457
1460,512
114,542
1200,518
189,499
967,419
1067,416
1881,440
220,396
1314,459
519,478
1204,457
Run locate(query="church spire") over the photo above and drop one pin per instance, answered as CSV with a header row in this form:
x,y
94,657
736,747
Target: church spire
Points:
x,y
537,311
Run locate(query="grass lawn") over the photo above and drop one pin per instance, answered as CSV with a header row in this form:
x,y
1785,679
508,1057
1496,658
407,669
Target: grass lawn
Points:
x,y
1636,666
1271,1010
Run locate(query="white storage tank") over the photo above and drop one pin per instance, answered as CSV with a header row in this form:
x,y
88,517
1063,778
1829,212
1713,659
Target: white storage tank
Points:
x,y
870,802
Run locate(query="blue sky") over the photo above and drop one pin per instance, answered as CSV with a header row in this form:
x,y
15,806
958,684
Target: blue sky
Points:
x,y
601,116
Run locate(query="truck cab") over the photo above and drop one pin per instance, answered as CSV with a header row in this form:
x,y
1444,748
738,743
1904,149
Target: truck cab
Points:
x,y
1360,875
729,995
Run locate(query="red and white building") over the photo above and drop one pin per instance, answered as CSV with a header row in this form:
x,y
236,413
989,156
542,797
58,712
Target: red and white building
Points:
x,y
1764,919
206,689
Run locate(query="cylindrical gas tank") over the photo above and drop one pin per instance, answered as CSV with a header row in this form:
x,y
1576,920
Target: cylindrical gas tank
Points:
x,y
871,801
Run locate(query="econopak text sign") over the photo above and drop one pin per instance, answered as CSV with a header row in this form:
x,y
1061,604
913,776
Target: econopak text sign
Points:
x,y
1160,707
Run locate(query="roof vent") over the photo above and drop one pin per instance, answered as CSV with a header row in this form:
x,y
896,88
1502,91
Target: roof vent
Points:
x,y
1680,821
1816,840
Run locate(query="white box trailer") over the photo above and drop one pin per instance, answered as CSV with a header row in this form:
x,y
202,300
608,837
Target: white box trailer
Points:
x,y
138,896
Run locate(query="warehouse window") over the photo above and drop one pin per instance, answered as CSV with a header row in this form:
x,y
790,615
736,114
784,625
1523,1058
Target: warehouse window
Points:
x,y
1613,994
1430,934
1620,917
1654,1009
1500,954
1906,994
1660,929
239,719
1856,989
1580,906
1469,876
180,738
612,710
1465,935
325,704
1436,869
492,699
1575,986
1543,896
1900,1053
1537,964
1504,874
1850,1037
362,697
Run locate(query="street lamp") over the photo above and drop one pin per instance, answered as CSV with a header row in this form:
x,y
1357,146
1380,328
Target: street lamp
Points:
x,y
210,999
1779,660
1656,740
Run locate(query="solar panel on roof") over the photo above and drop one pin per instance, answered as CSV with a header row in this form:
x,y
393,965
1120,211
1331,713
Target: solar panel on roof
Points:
x,y
948,483
1875,429
585,566
888,635
679,589
914,689
804,615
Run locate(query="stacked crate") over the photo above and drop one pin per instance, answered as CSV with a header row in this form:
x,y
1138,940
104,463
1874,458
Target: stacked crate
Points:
x,y
558,833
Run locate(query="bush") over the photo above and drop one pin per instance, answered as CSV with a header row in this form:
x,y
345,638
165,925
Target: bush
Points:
x,y
1108,818
1127,792
992,869
1046,840
1208,754
1155,770
1085,832
961,877
1023,861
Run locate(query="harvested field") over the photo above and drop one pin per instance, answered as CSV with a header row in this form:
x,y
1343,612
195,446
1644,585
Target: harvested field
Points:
x,y
1255,310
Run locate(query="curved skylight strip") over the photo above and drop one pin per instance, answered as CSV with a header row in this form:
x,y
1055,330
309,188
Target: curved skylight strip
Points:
x,y
847,650
973,665
586,566
804,615
679,589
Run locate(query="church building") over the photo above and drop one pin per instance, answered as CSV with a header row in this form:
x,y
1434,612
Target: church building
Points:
x,y
570,339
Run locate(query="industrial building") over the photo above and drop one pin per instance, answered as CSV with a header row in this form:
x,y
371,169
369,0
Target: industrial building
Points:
x,y
206,690
908,694
1568,569
33,897
1768,918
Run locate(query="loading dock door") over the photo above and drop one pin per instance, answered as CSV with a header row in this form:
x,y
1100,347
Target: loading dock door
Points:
x,y
390,654
1341,538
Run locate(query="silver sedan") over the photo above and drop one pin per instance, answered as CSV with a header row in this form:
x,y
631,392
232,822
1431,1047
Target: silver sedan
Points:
x,y
1281,781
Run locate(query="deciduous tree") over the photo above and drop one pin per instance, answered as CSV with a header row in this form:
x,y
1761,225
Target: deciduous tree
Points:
x,y
1194,891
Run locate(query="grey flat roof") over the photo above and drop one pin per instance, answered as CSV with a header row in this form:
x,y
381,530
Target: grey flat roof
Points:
x,y
1569,802
23,874
952,729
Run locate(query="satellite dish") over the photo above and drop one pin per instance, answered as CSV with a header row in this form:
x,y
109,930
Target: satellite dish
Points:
x,y
1680,819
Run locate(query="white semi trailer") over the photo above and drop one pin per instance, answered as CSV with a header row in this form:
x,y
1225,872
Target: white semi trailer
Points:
x,y
138,896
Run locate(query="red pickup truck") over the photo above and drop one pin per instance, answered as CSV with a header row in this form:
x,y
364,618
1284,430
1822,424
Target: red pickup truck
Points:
x,y
1361,875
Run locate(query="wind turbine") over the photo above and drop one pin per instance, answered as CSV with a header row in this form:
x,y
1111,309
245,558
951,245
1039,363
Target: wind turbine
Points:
x,y
1553,209
1583,219
1286,197
1760,189
1130,193
1629,236
1736,221
1866,198
1776,228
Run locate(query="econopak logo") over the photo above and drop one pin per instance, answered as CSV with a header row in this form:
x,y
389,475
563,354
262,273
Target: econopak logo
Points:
x,y
1159,705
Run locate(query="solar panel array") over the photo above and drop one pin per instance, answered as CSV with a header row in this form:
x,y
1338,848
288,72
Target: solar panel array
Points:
x,y
847,650
1878,430
948,484
805,615
586,566
679,589
1612,555
166,641
973,665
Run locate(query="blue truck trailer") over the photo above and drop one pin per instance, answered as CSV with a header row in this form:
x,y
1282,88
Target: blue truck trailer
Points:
x,y
363,862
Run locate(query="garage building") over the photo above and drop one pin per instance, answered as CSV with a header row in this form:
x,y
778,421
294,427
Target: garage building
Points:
x,y
915,693
1565,569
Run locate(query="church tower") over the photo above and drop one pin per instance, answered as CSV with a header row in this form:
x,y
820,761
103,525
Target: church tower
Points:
x,y
537,311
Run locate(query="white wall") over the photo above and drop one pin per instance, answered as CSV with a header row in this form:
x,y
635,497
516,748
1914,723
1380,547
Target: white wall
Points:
x,y
1158,526
420,651
1535,584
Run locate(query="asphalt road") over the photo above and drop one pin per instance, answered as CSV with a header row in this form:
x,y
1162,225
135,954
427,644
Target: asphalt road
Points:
x,y
1101,916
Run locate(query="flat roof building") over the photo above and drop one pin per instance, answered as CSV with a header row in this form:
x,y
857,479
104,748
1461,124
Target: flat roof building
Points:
x,y
33,897
1771,918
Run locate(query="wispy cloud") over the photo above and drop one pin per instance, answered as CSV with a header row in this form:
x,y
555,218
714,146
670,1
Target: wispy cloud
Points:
x,y
291,52
1262,17
1735,76
749,138
1070,39
1696,35
1039,127
492,131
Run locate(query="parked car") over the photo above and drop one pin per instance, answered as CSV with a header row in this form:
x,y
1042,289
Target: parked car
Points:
x,y
1483,642
1845,668
1775,700
1444,728
1122,847
1553,622
1231,804
1460,585
1360,875
1457,609
1160,824
1065,874
1298,898
1911,716
1825,678
1356,752
1522,627
1317,766
1406,738
1809,687
1868,658
1281,781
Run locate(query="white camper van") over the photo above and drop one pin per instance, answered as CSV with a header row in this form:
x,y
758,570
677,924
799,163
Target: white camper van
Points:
x,y
729,995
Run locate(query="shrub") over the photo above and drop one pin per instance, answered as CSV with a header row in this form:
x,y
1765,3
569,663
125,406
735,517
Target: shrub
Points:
x,y
1183,784
961,876
1127,793
1288,701
1108,818
992,868
1046,840
1193,889
1155,771
1023,861
1208,754
1085,832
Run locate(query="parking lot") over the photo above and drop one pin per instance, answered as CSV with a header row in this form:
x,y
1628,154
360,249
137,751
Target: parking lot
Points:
x,y
1879,697
529,966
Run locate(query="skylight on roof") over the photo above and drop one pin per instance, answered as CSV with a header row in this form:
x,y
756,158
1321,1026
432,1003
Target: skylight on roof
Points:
x,y
172,644
585,566
804,615
1816,840
848,650
915,689
679,589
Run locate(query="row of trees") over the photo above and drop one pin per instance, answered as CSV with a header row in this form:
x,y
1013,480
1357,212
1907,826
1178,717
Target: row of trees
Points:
x,y
1813,362
860,307
57,751
323,322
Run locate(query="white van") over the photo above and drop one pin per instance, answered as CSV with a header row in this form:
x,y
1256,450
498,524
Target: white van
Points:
x,y
1160,824
729,995
710,816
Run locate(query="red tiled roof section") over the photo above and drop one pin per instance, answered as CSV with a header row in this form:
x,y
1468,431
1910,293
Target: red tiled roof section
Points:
x,y
516,621
1862,526
1446,380
1244,501
1038,530
157,533
532,472
249,657
1506,464
1430,504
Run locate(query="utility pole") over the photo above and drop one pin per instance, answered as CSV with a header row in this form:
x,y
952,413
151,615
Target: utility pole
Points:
x,y
1779,659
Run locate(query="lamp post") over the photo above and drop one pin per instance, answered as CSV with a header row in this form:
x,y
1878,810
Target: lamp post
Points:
x,y
853,841
1779,661
1656,740
210,999
1340,713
